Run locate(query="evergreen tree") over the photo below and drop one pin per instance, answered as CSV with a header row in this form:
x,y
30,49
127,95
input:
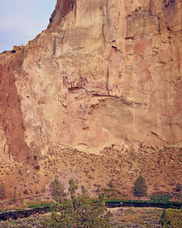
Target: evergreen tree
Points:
x,y
178,187
140,187
2,191
80,210
58,193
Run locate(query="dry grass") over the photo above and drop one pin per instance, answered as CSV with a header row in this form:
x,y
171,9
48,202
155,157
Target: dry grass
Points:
x,y
136,217
94,171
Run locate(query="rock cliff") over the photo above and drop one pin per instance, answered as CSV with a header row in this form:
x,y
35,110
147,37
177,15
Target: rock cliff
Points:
x,y
104,74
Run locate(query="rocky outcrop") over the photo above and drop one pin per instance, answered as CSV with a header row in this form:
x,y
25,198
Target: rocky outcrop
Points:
x,y
103,85
12,129
104,73
63,7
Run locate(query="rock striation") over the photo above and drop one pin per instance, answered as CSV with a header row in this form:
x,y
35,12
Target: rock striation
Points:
x,y
103,74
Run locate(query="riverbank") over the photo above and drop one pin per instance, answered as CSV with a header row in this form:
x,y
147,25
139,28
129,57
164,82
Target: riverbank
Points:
x,y
121,217
40,209
127,217
138,203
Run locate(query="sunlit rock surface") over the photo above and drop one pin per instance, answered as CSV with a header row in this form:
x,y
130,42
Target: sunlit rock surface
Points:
x,y
106,73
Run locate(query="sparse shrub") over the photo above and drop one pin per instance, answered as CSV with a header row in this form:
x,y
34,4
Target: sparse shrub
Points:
x,y
110,185
178,187
43,190
37,167
33,221
140,187
35,157
26,192
172,183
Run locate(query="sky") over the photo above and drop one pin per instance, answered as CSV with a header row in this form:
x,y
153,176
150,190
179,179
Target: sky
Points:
x,y
22,20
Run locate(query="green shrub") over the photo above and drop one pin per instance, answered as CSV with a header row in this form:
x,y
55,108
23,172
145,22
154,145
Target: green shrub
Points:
x,y
110,185
178,195
108,189
2,191
78,210
58,193
140,187
26,192
171,218
159,197
178,187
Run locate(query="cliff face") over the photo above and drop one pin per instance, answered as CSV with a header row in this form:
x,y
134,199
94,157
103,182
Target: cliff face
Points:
x,y
105,76
103,73
108,72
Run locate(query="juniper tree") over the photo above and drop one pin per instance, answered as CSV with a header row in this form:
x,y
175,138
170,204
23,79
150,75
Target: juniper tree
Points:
x,y
178,187
58,193
2,191
80,211
140,187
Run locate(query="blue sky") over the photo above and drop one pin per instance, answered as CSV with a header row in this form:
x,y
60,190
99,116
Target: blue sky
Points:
x,y
22,20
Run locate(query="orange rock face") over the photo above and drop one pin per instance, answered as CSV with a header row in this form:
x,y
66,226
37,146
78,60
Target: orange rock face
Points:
x,y
104,73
